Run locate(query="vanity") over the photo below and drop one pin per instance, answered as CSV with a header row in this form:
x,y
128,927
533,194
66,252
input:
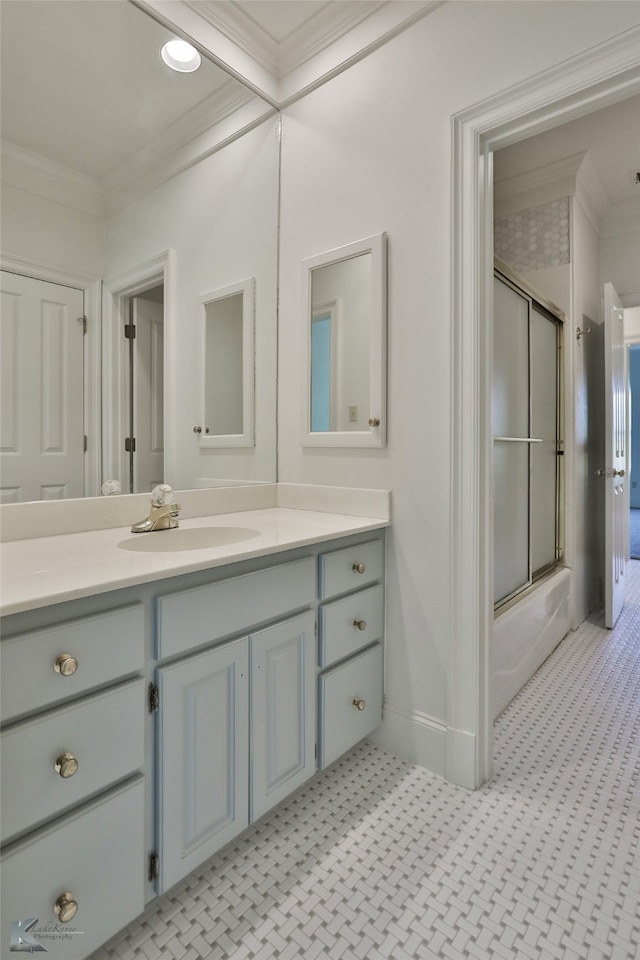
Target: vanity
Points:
x,y
170,696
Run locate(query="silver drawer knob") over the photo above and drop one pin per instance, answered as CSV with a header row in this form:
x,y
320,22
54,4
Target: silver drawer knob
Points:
x,y
65,664
65,907
359,704
358,568
360,624
66,765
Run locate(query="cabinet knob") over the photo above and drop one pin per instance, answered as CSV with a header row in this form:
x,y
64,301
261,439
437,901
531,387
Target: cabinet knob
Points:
x,y
66,765
360,624
374,421
65,907
359,704
359,567
65,664
617,473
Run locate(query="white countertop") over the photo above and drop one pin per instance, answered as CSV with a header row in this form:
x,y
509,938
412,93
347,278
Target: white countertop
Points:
x,y
45,570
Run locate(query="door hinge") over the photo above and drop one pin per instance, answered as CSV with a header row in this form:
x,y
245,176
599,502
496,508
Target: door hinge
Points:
x,y
316,754
130,444
315,628
130,331
154,866
85,443
154,698
83,321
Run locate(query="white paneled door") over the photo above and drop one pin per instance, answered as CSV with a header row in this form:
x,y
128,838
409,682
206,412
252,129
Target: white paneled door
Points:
x,y
615,467
41,352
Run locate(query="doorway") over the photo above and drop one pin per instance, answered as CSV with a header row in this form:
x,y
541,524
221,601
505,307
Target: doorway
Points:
x,y
44,436
143,331
603,75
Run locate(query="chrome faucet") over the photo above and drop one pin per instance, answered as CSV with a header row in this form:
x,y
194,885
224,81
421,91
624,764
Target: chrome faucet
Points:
x,y
163,514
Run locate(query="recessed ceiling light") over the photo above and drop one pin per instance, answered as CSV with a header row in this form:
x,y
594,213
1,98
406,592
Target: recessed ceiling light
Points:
x,y
180,56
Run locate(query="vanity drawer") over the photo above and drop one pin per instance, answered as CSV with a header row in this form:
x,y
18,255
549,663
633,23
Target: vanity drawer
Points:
x,y
103,733
351,568
193,618
106,647
97,858
342,724
349,624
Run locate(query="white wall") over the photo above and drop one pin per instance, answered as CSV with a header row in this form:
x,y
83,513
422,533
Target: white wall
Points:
x,y
220,219
53,233
371,151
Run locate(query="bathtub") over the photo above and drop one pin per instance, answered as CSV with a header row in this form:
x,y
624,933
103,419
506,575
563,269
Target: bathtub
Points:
x,y
525,634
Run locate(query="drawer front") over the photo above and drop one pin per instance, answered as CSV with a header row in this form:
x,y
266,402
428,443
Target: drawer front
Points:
x,y
106,647
342,724
350,624
351,568
103,733
193,618
97,857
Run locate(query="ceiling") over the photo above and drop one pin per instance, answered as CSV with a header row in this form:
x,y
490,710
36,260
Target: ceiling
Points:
x,y
63,99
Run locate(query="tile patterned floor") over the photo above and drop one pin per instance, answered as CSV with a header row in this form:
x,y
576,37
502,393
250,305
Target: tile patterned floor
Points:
x,y
379,859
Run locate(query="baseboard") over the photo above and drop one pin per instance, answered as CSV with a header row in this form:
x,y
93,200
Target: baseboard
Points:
x,y
413,736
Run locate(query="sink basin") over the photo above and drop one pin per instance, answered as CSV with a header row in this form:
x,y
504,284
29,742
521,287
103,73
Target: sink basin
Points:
x,y
186,538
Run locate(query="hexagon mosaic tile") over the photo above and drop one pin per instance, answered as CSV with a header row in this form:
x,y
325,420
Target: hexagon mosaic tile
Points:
x,y
534,238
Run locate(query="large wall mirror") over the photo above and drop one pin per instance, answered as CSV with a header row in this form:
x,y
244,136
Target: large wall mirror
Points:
x,y
345,310
110,159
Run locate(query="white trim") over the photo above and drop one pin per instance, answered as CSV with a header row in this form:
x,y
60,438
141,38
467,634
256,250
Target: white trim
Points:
x,y
91,288
416,736
247,438
605,74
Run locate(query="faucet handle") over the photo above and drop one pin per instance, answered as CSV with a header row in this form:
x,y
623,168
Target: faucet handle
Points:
x,y
162,495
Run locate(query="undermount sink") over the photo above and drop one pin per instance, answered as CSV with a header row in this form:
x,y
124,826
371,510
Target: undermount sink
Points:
x,y
186,538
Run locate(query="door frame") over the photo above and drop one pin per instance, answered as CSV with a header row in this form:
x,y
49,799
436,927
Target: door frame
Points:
x,y
92,289
117,290
601,76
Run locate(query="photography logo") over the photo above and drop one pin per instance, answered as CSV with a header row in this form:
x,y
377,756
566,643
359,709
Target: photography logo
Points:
x,y
27,936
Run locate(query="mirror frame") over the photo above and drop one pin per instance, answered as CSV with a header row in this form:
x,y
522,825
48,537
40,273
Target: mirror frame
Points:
x,y
376,435
247,438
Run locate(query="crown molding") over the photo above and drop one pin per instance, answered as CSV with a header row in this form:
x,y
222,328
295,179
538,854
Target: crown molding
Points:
x,y
237,45
574,176
36,174
202,120
535,187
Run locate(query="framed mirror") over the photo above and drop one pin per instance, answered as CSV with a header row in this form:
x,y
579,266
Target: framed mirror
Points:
x,y
345,301
228,367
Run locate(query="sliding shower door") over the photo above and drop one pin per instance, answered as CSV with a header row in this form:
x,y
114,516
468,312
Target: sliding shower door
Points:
x,y
527,444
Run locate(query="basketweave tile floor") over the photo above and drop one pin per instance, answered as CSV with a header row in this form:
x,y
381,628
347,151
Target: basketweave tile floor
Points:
x,y
377,858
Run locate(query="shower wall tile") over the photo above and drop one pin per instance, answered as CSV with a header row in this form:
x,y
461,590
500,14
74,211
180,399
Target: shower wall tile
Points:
x,y
535,238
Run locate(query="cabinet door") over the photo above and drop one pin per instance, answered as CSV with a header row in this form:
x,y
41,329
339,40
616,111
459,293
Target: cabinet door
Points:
x,y
283,711
202,757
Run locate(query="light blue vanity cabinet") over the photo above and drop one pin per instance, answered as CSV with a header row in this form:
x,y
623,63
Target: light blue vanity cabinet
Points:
x,y
351,621
73,799
144,728
236,720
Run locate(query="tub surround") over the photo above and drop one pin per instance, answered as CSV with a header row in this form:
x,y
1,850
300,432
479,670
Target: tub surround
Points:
x,y
94,556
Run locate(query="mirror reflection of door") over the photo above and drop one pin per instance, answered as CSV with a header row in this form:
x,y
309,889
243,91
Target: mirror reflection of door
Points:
x,y
42,401
146,391
323,332
347,283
